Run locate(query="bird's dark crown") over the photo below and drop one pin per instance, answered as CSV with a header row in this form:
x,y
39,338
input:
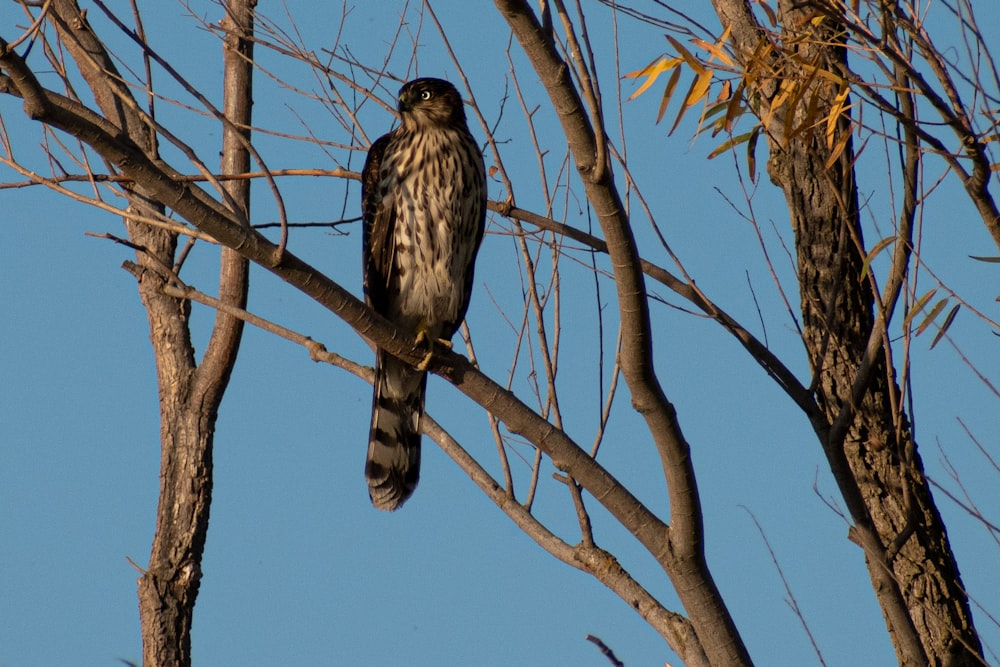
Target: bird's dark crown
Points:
x,y
431,100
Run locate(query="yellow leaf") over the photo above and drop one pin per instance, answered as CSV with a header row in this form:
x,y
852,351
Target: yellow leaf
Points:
x,y
716,50
727,87
711,112
719,109
835,111
651,72
644,71
699,88
935,311
734,108
684,107
838,148
688,58
876,249
918,306
729,143
833,77
786,88
667,92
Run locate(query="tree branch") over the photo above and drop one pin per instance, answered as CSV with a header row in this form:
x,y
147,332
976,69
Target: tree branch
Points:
x,y
684,559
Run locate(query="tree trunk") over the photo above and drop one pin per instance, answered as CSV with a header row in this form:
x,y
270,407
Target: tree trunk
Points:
x,y
861,424
189,393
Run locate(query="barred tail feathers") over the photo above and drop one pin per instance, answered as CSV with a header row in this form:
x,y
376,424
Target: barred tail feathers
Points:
x,y
393,465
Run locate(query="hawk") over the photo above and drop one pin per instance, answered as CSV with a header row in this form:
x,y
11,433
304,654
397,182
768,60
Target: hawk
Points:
x,y
423,191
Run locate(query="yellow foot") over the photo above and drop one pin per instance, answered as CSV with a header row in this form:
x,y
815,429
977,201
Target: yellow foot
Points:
x,y
423,338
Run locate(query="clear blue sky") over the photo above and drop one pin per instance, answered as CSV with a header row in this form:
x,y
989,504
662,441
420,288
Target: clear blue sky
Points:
x,y
299,569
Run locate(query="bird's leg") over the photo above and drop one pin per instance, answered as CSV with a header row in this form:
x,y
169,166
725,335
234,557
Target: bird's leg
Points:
x,y
424,337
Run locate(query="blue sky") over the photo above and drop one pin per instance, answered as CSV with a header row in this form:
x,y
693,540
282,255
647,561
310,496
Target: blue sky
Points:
x,y
299,569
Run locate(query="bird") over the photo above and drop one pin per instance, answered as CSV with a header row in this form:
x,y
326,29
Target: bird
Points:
x,y
423,195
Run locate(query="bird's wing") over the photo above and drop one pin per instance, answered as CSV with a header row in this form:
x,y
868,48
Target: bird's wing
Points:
x,y
379,222
478,215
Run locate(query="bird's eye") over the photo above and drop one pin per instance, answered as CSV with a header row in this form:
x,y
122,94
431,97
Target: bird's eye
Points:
x,y
426,95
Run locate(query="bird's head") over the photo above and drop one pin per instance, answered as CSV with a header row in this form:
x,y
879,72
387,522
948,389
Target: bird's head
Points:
x,y
429,102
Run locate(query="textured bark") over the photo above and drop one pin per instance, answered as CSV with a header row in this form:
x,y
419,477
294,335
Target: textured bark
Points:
x,y
169,586
863,429
189,393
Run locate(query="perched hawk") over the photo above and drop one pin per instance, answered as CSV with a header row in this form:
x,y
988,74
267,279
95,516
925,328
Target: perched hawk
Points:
x,y
423,190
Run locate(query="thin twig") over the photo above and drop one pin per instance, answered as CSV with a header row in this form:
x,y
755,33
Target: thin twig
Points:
x,y
605,650
790,599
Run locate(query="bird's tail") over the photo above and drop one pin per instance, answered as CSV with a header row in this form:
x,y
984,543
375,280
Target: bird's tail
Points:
x,y
393,465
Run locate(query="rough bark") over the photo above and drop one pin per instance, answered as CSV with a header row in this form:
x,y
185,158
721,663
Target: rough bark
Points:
x,y
189,393
861,425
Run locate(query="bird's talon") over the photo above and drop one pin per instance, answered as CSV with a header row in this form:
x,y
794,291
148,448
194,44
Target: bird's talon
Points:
x,y
425,364
423,337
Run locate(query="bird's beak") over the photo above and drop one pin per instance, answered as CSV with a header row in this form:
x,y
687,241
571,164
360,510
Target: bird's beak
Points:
x,y
404,103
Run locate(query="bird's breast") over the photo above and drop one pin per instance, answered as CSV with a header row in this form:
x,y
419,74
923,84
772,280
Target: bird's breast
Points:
x,y
435,229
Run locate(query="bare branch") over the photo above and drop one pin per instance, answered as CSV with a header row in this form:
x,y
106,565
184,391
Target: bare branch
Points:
x,y
684,559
